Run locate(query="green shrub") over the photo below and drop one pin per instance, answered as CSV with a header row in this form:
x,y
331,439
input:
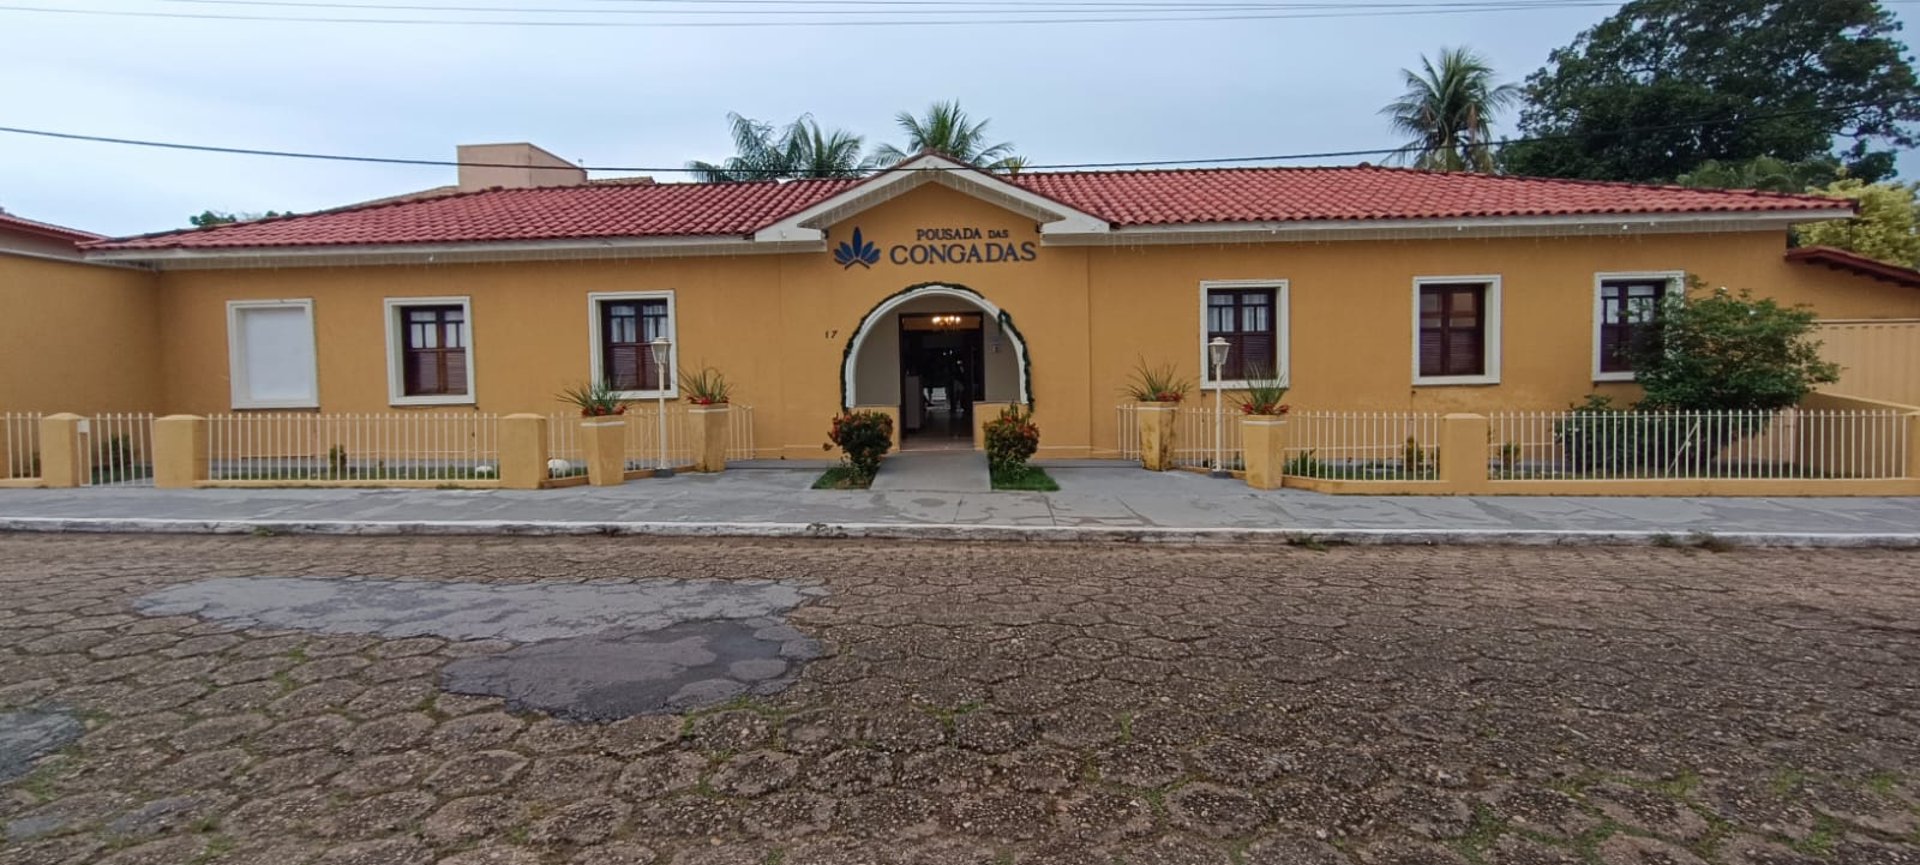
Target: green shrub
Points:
x,y
1304,465
864,437
1600,437
1012,439
1722,351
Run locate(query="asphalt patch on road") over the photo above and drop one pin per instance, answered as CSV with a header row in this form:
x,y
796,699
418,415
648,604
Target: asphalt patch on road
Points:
x,y
29,734
587,651
618,674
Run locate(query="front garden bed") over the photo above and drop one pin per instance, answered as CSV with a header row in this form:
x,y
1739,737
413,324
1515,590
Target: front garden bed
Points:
x,y
1026,478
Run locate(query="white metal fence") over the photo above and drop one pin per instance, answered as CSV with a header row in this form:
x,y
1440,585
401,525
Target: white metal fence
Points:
x,y
643,437
740,445
420,446
1626,445
20,437
1193,442
1193,445
119,450
1127,429
566,457
1363,446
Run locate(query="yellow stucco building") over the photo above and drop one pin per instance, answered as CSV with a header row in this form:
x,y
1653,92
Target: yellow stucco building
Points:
x,y
924,289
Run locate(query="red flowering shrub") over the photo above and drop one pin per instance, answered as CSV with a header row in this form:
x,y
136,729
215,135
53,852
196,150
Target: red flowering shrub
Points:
x,y
864,436
1012,439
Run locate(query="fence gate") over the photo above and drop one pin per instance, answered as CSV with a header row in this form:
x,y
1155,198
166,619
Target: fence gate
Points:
x,y
119,451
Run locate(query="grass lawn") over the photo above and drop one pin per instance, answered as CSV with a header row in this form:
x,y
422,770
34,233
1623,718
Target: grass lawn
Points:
x,y
1030,478
842,478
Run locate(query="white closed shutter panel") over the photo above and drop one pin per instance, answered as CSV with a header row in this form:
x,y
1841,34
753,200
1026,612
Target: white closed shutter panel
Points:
x,y
273,356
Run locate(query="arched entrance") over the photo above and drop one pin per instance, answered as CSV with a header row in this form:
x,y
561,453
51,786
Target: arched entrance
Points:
x,y
934,351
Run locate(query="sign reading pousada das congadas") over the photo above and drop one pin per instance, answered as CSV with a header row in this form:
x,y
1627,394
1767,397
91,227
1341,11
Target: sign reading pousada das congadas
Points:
x,y
966,245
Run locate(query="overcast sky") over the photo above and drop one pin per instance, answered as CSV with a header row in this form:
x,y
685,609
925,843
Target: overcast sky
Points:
x,y
652,97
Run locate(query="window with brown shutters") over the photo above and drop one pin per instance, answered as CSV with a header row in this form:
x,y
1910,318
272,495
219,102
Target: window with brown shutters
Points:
x,y
1627,310
434,350
1246,318
627,331
1453,329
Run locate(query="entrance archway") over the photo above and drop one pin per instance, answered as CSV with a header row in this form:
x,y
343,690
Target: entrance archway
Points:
x,y
884,316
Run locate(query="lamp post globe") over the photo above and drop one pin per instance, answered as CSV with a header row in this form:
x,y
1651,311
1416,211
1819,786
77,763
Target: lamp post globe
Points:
x,y
1217,352
662,355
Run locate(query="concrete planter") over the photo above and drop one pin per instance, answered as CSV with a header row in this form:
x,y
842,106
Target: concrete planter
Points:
x,y
604,442
1264,437
709,429
1156,435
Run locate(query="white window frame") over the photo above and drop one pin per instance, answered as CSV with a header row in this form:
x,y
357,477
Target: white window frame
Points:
x,y
594,300
1675,280
396,369
1282,331
1491,328
236,359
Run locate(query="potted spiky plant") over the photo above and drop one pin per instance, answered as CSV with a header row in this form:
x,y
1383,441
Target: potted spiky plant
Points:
x,y
603,431
1263,433
710,397
1157,390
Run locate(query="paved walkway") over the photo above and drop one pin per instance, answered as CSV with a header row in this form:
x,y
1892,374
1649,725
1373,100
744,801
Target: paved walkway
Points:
x,y
1091,500
934,471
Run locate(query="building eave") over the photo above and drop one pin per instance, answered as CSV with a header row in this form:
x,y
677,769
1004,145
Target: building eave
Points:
x,y
1583,225
448,253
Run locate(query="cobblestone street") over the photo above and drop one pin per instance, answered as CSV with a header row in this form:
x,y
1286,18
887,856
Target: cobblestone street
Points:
x,y
993,704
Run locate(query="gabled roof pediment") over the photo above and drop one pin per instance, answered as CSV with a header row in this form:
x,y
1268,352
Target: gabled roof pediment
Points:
x,y
1054,217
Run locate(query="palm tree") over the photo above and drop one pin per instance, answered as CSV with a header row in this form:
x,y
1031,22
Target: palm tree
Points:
x,y
1448,110
813,152
947,130
802,149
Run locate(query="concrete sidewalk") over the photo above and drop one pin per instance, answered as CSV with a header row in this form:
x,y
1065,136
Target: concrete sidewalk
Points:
x,y
1094,503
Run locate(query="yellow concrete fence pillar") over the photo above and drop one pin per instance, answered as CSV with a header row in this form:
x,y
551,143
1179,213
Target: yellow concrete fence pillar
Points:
x,y
710,436
1463,452
64,455
1156,434
1264,436
985,413
604,440
180,451
523,451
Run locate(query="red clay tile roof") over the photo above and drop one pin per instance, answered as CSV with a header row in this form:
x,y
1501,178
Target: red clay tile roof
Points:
x,y
1123,198
1857,264
1373,193
9,222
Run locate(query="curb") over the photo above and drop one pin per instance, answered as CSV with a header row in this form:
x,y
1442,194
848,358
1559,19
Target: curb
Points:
x,y
964,532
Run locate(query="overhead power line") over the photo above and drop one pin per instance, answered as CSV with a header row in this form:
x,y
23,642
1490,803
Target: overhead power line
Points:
x,y
1064,16
1061,166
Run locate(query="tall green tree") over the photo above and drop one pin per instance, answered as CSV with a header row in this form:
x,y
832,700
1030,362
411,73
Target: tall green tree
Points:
x,y
1887,227
1448,110
800,149
1663,86
947,129
1764,173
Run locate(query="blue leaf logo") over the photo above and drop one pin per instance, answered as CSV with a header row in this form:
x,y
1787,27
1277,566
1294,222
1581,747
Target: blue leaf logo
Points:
x,y
856,251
